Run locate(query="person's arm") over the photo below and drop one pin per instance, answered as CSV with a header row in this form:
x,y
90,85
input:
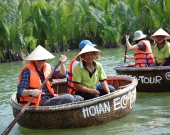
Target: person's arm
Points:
x,y
129,57
60,74
166,54
23,87
155,63
77,79
63,59
105,86
81,88
163,62
154,54
30,92
129,46
102,78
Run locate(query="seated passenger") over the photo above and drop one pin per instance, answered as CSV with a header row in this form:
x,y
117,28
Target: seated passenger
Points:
x,y
162,48
87,74
73,63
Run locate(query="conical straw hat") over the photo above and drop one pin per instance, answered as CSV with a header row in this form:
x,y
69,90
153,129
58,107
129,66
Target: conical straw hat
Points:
x,y
40,53
160,32
89,48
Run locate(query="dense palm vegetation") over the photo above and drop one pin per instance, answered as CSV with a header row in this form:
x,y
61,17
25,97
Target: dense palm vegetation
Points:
x,y
61,24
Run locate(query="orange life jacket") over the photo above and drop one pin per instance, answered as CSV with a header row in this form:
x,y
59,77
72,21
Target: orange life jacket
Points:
x,y
144,59
71,89
35,82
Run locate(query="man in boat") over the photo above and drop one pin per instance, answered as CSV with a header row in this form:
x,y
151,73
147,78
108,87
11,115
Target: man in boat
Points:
x,y
73,63
33,75
143,53
87,74
162,48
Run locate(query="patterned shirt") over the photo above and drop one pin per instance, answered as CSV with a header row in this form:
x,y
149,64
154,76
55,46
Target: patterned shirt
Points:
x,y
25,80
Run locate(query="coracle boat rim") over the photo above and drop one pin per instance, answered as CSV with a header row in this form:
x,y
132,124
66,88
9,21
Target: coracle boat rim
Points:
x,y
156,68
80,104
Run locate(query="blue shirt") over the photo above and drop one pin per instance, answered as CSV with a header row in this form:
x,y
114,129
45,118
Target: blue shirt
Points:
x,y
25,80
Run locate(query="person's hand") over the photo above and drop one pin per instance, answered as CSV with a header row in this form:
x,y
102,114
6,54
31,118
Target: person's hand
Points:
x,y
55,95
108,92
153,65
126,56
127,37
63,58
94,92
34,92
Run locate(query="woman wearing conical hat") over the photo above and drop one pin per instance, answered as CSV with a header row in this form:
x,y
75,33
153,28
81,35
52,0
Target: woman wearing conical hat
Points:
x,y
162,48
87,74
143,53
33,75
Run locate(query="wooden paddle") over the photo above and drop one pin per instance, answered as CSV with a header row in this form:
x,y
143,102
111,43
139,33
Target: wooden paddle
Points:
x,y
8,129
126,49
125,53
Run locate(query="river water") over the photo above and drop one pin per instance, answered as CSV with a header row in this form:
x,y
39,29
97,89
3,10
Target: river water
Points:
x,y
150,116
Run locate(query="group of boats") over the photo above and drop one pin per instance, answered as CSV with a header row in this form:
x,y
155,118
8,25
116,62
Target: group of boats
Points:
x,y
97,111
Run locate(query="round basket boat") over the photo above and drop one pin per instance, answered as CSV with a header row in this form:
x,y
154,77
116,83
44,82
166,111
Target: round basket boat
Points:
x,y
150,79
86,113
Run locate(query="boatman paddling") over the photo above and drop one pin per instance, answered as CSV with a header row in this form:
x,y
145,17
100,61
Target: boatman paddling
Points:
x,y
34,74
143,53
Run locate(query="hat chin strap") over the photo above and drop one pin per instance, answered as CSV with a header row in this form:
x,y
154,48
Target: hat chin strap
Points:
x,y
81,63
99,56
82,59
161,41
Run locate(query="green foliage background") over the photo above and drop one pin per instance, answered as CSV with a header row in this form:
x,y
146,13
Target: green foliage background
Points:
x,y
64,23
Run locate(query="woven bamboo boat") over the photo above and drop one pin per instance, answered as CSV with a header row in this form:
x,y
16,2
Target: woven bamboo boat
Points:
x,y
150,79
82,114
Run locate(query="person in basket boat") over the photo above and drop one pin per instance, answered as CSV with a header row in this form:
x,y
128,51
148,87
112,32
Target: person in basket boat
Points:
x,y
162,48
73,63
34,74
87,74
143,53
